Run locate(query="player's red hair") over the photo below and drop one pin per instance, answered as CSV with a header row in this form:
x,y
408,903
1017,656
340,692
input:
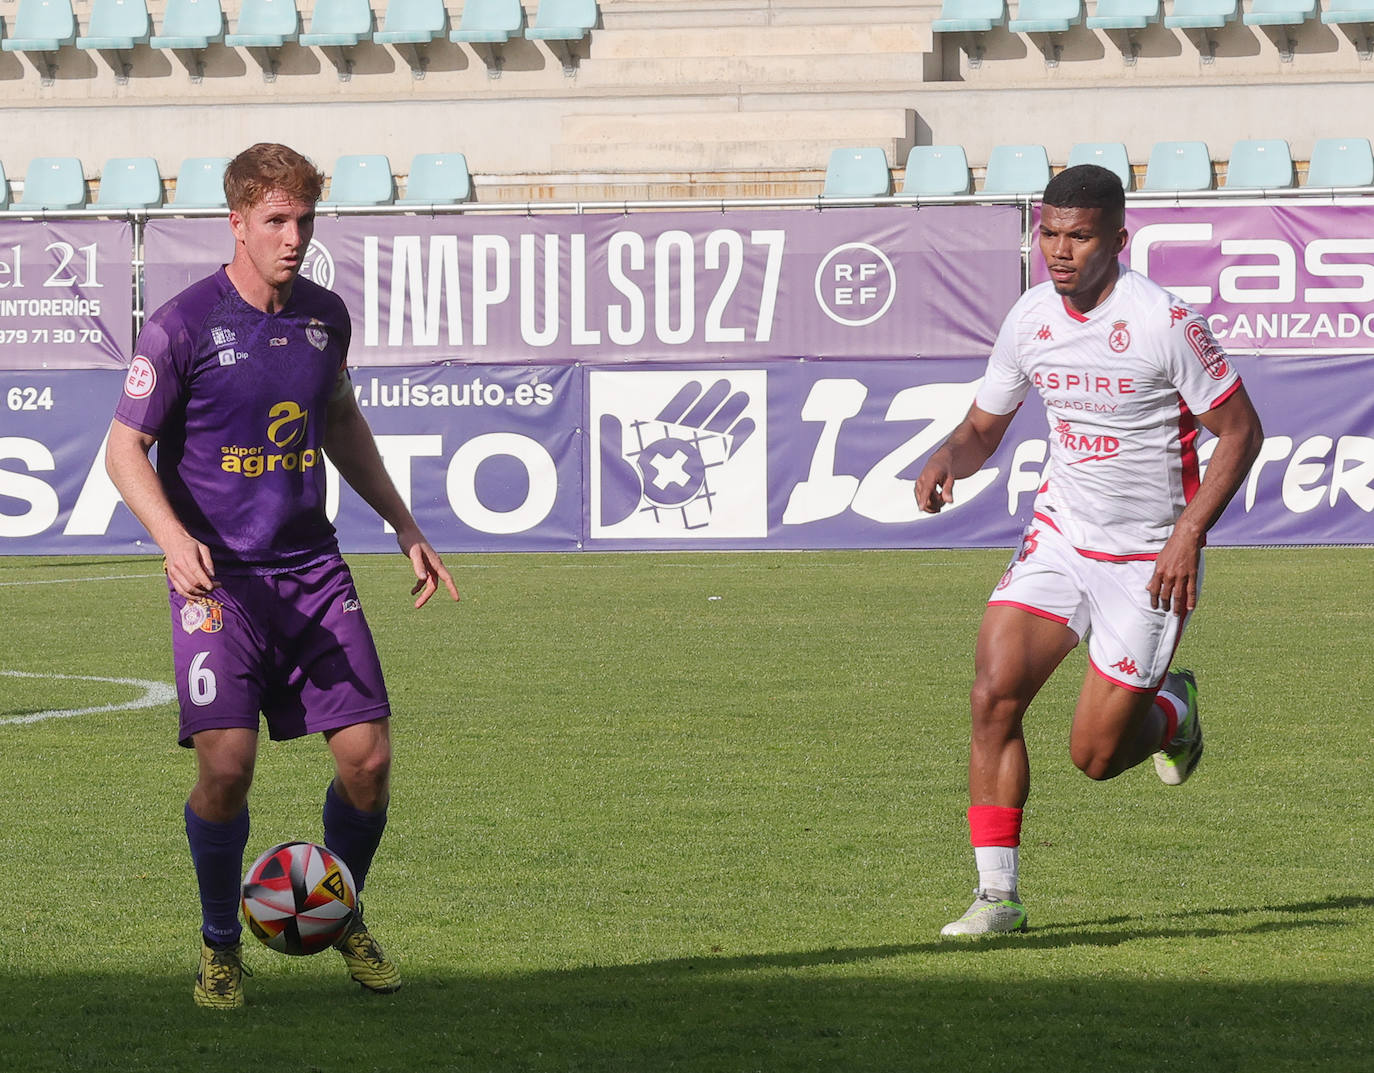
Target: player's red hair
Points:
x,y
268,166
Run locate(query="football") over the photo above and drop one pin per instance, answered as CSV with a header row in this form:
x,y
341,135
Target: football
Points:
x,y
298,898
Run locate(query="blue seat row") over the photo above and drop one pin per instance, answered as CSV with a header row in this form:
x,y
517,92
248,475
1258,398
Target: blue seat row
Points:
x,y
1057,16
56,184
49,25
1022,170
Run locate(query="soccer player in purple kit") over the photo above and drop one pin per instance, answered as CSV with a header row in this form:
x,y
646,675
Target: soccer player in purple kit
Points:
x,y
242,382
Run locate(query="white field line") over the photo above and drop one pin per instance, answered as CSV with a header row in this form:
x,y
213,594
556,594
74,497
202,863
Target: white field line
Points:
x,y
70,580
154,693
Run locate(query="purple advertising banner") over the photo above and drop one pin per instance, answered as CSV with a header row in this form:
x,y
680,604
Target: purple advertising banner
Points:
x,y
1271,278
779,454
66,294
686,286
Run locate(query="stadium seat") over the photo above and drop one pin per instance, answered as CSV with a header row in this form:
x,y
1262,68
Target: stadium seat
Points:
x,y
1338,11
936,171
970,16
1123,15
360,179
1259,164
1341,162
1017,169
53,183
131,182
1046,16
1109,155
412,22
339,23
857,173
1279,12
1179,166
492,22
117,25
265,24
200,183
437,179
1202,14
41,26
190,24
563,20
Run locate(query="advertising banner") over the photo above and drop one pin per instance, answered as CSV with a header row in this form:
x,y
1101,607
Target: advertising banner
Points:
x,y
613,288
1271,278
66,294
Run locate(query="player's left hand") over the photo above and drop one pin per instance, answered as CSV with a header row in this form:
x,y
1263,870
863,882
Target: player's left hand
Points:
x,y
1173,586
429,571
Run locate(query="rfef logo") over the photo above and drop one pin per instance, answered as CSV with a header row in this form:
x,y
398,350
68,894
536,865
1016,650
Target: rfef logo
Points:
x,y
141,379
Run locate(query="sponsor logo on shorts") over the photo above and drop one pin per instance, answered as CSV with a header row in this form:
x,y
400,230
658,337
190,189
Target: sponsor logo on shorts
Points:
x,y
203,614
351,604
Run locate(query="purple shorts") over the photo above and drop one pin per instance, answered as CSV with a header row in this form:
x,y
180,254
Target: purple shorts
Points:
x,y
292,646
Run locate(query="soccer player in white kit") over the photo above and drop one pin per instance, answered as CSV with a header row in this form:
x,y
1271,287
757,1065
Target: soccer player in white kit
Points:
x,y
1113,552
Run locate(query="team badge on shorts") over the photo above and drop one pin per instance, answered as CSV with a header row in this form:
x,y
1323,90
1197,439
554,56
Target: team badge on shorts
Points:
x,y
317,334
204,614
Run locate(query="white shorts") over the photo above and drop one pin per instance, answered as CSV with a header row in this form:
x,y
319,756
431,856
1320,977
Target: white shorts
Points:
x,y
1130,643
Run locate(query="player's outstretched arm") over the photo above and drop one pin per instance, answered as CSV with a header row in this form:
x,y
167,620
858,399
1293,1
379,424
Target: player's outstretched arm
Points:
x,y
189,565
1239,438
960,456
349,443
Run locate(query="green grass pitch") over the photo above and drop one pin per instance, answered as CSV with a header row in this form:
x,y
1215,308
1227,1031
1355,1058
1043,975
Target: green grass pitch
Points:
x,y
705,812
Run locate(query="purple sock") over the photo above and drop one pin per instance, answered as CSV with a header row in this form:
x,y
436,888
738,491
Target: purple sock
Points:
x,y
353,834
217,854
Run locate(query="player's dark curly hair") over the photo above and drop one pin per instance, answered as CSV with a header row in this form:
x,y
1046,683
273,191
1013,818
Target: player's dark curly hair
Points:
x,y
268,166
1088,186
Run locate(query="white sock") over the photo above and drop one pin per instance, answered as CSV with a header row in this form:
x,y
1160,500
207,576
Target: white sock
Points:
x,y
997,867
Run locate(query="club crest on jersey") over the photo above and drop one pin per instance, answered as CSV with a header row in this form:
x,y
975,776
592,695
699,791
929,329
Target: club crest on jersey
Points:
x,y
317,334
1120,337
1207,349
203,614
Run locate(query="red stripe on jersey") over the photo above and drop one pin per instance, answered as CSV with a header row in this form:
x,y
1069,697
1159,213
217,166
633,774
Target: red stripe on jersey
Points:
x,y
1187,438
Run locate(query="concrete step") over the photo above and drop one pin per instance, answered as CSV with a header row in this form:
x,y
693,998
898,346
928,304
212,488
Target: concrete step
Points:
x,y
754,41
744,73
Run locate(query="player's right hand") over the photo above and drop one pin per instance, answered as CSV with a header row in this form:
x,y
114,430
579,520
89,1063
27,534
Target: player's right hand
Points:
x,y
190,568
934,487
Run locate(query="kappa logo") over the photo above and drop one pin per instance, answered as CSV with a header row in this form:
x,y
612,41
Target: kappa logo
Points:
x,y
678,452
1120,338
1044,333
1178,313
1126,665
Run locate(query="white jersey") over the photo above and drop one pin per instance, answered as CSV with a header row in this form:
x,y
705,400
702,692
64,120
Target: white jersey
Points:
x,y
1120,386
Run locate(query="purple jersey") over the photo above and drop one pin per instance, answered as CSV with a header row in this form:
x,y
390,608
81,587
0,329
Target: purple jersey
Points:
x,y
237,399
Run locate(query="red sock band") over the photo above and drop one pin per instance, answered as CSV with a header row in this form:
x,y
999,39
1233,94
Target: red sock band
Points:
x,y
1171,717
992,825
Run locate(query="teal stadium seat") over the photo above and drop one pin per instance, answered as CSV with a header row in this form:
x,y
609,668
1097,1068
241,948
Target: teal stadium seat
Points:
x,y
1259,164
191,24
490,22
200,183
1179,166
412,22
360,179
52,184
265,24
857,173
437,179
1124,15
1202,14
1109,155
1279,12
1341,162
936,171
1046,16
1338,11
41,26
970,16
1017,169
130,182
563,20
339,23
118,25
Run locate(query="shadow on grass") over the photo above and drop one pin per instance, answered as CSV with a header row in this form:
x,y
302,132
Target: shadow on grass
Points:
x,y
942,1006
